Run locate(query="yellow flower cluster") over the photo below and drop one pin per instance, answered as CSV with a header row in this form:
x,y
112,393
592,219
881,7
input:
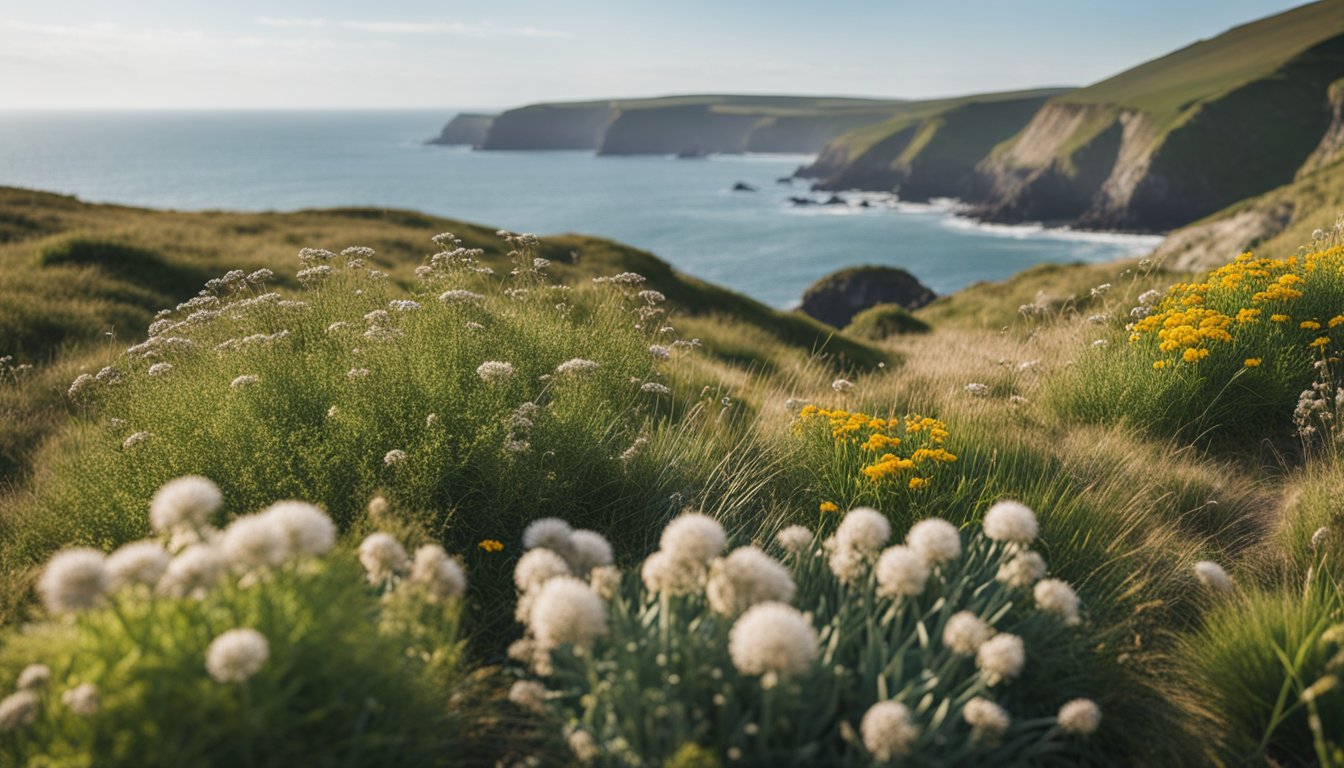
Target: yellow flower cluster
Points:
x,y
1194,318
491,545
878,442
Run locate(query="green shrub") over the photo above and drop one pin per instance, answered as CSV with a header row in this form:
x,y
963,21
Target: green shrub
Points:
x,y
884,321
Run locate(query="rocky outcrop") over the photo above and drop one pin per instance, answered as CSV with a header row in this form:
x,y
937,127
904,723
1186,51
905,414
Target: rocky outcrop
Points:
x,y
465,129
551,126
838,297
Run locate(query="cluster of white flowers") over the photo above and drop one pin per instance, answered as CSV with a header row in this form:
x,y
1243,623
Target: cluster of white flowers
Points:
x,y
745,577
1012,522
857,543
383,557
394,457
654,388
773,640
842,385
236,655
439,575
988,720
494,370
577,366
624,278
246,380
796,539
888,731
461,296
660,352
687,547
976,389
135,439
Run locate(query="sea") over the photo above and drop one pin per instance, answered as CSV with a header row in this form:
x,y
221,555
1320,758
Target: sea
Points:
x,y
684,210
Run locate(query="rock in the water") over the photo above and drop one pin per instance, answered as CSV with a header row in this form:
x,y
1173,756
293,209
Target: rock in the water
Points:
x,y
743,186
802,201
838,297
785,180
836,200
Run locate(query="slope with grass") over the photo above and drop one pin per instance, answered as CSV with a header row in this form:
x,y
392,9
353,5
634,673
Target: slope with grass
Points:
x,y
1180,137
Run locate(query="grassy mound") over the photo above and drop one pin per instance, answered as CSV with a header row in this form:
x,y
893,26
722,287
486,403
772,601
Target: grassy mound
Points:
x,y
883,321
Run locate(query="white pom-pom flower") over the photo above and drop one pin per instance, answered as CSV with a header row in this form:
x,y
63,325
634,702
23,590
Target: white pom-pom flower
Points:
x,y
901,571
548,533
255,541
1212,575
772,639
589,550
1025,569
82,699
1001,658
194,571
693,537
33,677
1057,597
988,720
19,710
73,580
888,731
1011,521
185,502
745,577
440,574
137,563
965,632
383,557
796,539
236,655
568,612
308,531
863,530
662,572
935,539
1080,716
538,566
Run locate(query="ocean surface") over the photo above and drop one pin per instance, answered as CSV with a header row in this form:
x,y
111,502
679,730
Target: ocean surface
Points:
x,y
682,210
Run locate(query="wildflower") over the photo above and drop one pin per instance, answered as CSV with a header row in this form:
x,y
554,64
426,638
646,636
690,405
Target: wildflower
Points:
x,y
654,388
550,533
693,537
403,305
494,370
438,573
459,296
584,747
1213,576
383,557
394,457
988,720
74,579
33,677
1309,325
134,440
1253,362
795,539
1011,521
187,501
528,694
538,566
18,710
1057,597
1100,290
589,550
236,655
863,530
1318,538
255,541
635,449
1080,716
159,369
1150,297
1100,344
491,545
828,506
901,571
307,529
965,632
577,366
81,381
745,577
357,373
663,573
1023,570
888,731
842,385
605,580
245,380
1279,318
1101,319
314,274
935,539
1001,658
140,562
772,639
976,389
659,352
568,612
82,699
193,571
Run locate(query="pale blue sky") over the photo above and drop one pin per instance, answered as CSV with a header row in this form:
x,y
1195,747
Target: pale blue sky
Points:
x,y
414,53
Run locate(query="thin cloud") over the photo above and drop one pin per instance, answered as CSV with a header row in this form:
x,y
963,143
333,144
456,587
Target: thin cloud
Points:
x,y
410,27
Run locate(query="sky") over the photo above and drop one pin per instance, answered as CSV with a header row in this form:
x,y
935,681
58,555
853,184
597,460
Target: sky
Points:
x,y
193,54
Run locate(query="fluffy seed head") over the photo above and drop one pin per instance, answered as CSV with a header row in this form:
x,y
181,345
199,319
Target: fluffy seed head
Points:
x,y
440,574
140,562
185,502
1001,658
988,720
605,580
1080,716
662,572
888,731
18,710
745,577
1212,575
693,537
74,579
965,632
796,539
589,550
568,612
1011,521
901,571
935,539
863,530
307,529
538,566
548,533
194,571
842,385
33,677
255,541
772,638
383,557
236,655
1057,597
1023,570
529,694
82,699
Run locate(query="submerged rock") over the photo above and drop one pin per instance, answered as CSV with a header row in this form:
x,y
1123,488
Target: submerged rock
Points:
x,y
743,186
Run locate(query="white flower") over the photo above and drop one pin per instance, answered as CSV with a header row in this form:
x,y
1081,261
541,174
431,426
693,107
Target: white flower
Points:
x,y
577,366
1080,716
1023,570
357,373
588,550
1318,538
662,572
33,676
1213,576
1100,343
988,720
745,577
842,385
796,539
494,370
394,457
567,611
863,530
193,571
965,632
403,305
307,529
772,639
538,566
18,710
605,580
888,731
158,369
245,380
654,388
135,439
1011,521
255,541
693,537
383,557
584,747
901,571
439,573
1150,297
460,295
140,562
1001,658
1057,597
74,579
529,694
659,352
976,389
185,502
81,381
236,655
82,699
935,539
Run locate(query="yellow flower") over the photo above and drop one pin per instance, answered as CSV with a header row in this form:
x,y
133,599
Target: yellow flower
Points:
x,y
1159,365
491,545
1253,362
1320,341
1278,318
1193,355
1336,320
829,506
919,482
1310,325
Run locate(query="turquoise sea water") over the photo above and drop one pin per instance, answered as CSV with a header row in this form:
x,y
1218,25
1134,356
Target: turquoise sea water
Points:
x,y
682,210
